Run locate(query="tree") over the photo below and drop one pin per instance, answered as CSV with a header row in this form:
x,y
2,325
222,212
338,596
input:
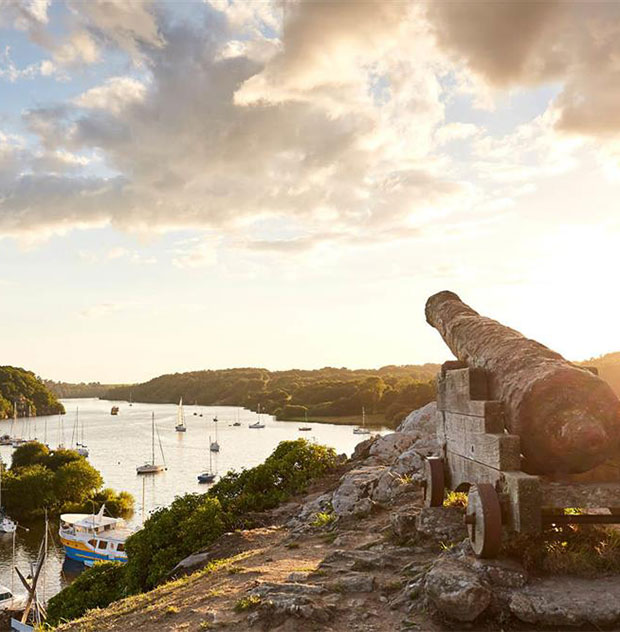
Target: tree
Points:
x,y
76,481
34,453
28,490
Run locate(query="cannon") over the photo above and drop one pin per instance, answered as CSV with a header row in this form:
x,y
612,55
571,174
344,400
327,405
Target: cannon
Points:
x,y
516,423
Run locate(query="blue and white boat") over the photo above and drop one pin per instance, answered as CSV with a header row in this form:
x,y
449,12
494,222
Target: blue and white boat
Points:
x,y
90,538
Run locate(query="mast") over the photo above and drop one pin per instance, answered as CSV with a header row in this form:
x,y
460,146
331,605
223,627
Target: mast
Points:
x,y
153,438
210,457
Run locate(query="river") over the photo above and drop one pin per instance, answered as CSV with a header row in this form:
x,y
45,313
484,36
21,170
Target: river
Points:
x,y
117,444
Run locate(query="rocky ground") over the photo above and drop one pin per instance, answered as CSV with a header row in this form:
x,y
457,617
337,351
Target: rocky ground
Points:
x,y
359,552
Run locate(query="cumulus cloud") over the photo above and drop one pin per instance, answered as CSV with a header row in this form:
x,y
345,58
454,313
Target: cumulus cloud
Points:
x,y
328,117
192,154
113,96
529,43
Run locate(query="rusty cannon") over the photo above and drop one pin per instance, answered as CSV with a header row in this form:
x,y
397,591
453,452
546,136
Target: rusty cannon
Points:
x,y
516,423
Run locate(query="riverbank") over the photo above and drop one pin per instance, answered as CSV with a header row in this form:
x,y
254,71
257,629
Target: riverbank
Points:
x,y
372,421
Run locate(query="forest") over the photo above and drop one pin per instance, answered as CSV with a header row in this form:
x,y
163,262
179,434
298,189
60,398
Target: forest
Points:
x,y
66,390
387,394
27,393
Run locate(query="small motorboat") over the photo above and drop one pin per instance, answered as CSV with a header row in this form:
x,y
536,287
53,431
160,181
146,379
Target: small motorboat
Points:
x,y
237,423
304,428
6,440
257,424
114,410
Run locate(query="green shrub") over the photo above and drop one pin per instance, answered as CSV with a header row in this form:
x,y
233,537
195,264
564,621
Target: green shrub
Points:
x,y
95,588
287,471
170,534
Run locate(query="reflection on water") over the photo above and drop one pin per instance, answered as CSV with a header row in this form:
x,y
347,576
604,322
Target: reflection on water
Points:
x,y
118,444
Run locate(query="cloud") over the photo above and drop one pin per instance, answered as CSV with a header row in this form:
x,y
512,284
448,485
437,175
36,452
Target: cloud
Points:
x,y
530,43
99,310
190,155
113,96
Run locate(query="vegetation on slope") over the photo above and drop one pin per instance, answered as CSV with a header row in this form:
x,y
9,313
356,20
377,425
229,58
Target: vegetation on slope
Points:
x,y
191,523
393,391
608,366
66,390
59,481
24,390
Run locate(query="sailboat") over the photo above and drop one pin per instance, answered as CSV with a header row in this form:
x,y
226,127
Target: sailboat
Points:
x,y
214,446
237,423
17,441
208,477
180,427
6,524
257,424
80,448
362,430
130,399
152,467
305,428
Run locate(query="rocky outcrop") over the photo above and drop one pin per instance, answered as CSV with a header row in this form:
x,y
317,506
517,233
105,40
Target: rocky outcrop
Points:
x,y
444,524
353,497
421,422
388,448
568,602
456,590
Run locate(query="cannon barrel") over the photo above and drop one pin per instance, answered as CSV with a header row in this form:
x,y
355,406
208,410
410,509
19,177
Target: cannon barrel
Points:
x,y
567,418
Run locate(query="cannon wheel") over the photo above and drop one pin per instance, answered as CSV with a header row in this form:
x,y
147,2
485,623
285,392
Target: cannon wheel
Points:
x,y
435,486
484,520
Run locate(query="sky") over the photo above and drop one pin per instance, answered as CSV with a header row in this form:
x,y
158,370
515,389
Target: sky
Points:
x,y
202,185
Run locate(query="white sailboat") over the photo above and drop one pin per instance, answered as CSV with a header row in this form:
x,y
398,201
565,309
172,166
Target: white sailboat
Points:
x,y
180,427
6,524
81,448
214,446
16,441
257,424
362,430
152,467
208,477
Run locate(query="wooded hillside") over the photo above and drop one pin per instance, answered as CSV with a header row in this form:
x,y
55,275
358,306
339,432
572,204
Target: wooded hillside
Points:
x,y
393,391
27,392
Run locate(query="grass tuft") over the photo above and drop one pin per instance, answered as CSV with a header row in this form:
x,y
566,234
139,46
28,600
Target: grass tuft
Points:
x,y
323,519
581,550
247,603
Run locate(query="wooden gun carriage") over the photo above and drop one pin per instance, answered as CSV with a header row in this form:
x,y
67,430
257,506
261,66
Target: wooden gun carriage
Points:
x,y
480,457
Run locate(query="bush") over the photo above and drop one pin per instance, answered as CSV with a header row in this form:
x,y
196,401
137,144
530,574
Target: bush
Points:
x,y
95,588
285,472
170,534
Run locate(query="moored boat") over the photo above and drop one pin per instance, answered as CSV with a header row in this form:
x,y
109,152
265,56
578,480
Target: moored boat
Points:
x,y
208,477
180,427
362,430
90,538
152,467
114,410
